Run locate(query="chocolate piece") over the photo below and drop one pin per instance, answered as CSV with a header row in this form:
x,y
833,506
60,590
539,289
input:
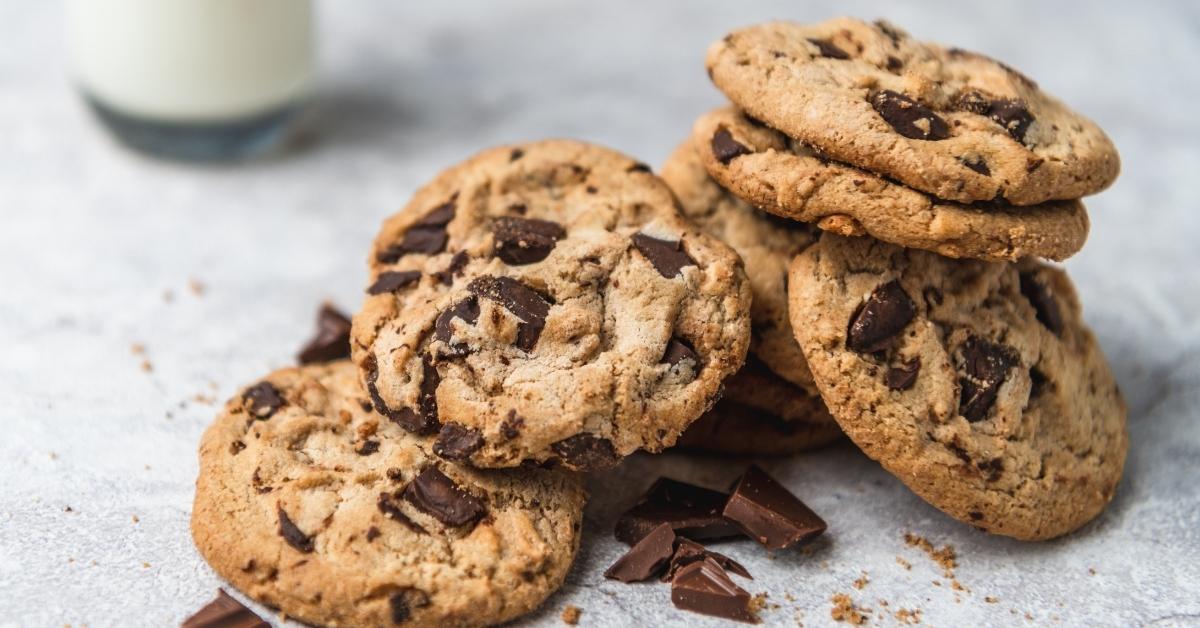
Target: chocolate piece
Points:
x,y
886,313
434,493
679,350
468,311
894,64
889,31
1043,303
693,512
456,442
688,552
332,340
977,164
985,367
457,262
404,417
262,400
367,448
516,154
909,117
524,303
401,604
725,148
427,235
394,280
667,257
769,513
389,505
372,533
292,534
586,452
1012,115
646,558
225,612
511,427
638,167
904,376
704,587
525,240
828,48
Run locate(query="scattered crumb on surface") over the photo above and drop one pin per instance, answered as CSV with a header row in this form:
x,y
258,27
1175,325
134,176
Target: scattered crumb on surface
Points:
x,y
991,599
908,616
757,603
862,581
137,348
68,509
844,610
168,296
789,597
570,614
146,366
904,563
53,456
135,519
944,556
145,565
204,399
1091,571
197,287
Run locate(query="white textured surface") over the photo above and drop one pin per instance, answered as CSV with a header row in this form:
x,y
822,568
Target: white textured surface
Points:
x,y
91,237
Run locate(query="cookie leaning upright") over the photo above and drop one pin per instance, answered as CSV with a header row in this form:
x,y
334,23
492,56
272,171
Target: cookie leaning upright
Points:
x,y
310,502
946,121
547,302
976,384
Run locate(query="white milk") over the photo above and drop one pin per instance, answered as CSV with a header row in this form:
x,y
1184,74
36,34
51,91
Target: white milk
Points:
x,y
193,61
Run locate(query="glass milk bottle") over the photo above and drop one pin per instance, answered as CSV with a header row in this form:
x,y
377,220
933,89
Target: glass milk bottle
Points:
x,y
194,79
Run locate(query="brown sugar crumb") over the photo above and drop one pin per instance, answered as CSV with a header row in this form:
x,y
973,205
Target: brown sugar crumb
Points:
x,y
862,581
944,556
991,599
570,614
908,616
844,610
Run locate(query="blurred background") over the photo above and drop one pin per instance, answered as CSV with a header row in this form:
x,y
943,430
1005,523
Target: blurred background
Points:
x,y
137,293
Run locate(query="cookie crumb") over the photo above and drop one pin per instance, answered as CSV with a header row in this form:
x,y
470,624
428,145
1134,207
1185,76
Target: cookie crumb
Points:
x,y
757,603
1091,571
146,366
904,563
168,296
908,616
197,287
137,348
570,614
135,519
862,581
991,599
844,610
944,556
145,565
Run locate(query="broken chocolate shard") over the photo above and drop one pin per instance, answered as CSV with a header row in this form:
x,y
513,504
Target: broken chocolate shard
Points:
x,y
704,587
521,241
262,400
292,534
332,340
769,513
688,551
692,511
367,448
828,48
435,494
457,262
667,256
985,366
521,300
586,452
646,558
725,148
679,350
225,612
427,235
885,314
903,377
393,281
467,311
457,442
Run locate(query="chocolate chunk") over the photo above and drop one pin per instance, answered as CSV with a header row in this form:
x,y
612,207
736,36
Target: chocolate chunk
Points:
x,y
524,303
1037,382
769,513
985,367
394,280
425,422
262,400
667,256
453,269
909,117
889,31
332,340
693,512
512,425
894,64
236,447
367,448
292,534
886,313
224,612
427,235
1012,115
372,533
522,241
679,350
468,311
402,602
430,379
725,148
688,552
437,495
638,167
904,376
977,164
646,558
974,102
456,442
828,48
586,452
389,505
516,154
704,587
1043,302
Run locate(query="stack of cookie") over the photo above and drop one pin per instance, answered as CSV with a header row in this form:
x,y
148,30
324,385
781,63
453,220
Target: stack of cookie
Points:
x,y
937,340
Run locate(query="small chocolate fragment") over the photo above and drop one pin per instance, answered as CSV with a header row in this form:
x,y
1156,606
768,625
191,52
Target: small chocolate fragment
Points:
x,y
522,241
456,442
389,505
457,262
828,48
638,167
977,164
367,448
430,379
678,350
262,400
512,425
524,303
769,513
372,533
1012,115
516,154
225,612
904,376
725,148
392,281
468,311
427,235
646,558
667,257
437,495
693,512
688,552
292,534
1043,303
886,313
586,452
909,117
704,587
985,367
402,603
332,340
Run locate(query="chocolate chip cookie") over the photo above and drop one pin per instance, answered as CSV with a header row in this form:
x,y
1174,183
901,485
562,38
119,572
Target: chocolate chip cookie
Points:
x,y
946,121
310,502
766,244
761,414
547,302
976,384
787,178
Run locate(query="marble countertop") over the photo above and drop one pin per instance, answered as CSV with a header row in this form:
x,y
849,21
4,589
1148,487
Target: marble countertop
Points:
x,y
217,273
